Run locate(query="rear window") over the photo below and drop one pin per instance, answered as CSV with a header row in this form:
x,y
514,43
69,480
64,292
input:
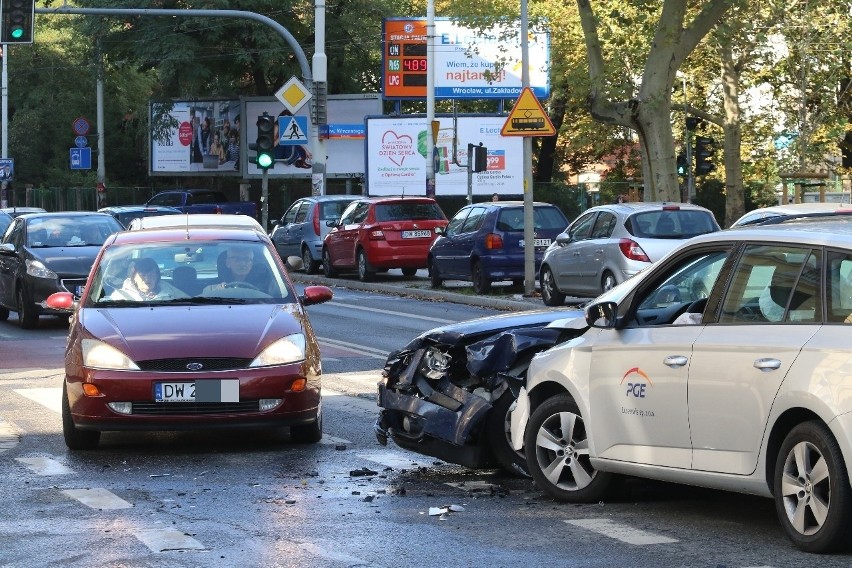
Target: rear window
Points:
x,y
670,224
545,218
332,209
410,210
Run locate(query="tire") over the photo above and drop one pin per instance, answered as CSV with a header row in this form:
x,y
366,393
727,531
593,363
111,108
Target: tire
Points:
x,y
4,314
550,294
27,314
365,273
812,493
307,433
75,438
481,285
409,272
310,266
497,434
327,267
435,279
565,476
608,282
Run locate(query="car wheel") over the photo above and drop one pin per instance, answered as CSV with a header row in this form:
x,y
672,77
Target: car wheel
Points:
x,y
307,433
435,279
308,262
607,282
497,426
550,294
409,272
327,267
365,273
557,450
75,438
4,314
481,285
812,493
27,314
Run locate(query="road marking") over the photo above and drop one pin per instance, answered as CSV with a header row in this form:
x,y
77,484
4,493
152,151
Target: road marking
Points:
x,y
9,437
352,348
162,540
48,397
332,441
377,310
98,498
326,554
396,460
621,532
45,466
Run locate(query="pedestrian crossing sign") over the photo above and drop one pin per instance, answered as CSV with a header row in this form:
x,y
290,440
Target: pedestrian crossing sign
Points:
x,y
292,130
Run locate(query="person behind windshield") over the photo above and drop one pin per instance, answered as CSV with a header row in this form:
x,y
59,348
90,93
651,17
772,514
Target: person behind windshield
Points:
x,y
238,267
144,284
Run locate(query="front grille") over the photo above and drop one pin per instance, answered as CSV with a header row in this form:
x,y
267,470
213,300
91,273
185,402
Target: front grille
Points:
x,y
179,365
194,408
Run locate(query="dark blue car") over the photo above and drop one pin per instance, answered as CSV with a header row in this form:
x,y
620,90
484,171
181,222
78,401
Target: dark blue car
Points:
x,y
484,243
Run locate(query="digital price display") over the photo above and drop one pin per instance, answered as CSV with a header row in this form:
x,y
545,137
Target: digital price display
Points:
x,y
405,63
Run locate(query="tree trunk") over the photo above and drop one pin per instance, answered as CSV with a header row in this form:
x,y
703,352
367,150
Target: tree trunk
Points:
x,y
734,192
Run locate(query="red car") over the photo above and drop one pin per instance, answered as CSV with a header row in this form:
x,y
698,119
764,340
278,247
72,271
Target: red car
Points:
x,y
378,233
190,328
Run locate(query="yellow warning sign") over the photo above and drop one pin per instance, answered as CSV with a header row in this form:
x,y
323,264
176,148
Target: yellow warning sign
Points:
x,y
528,118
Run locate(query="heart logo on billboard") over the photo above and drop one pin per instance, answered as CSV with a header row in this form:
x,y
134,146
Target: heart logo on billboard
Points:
x,y
396,147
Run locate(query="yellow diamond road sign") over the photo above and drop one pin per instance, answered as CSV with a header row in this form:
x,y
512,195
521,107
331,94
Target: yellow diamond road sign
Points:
x,y
293,95
528,118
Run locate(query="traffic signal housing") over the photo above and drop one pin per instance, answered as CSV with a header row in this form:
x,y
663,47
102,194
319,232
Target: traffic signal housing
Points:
x,y
477,158
265,142
18,20
705,147
682,166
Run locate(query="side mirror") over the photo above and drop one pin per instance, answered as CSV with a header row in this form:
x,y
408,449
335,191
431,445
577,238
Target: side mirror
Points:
x,y
294,262
274,223
63,301
316,295
332,222
7,249
602,315
440,230
563,239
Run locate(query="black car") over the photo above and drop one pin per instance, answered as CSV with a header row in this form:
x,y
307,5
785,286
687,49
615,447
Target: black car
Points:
x,y
450,391
124,214
5,221
43,253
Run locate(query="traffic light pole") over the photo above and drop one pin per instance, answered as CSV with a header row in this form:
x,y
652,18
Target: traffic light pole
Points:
x,y
690,173
264,200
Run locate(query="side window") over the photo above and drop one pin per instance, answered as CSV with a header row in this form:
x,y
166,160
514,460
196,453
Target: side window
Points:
x,y
774,284
349,213
604,225
360,213
582,228
457,221
290,215
839,287
474,220
302,214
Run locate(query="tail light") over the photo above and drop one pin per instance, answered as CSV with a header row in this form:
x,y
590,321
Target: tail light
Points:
x,y
316,219
376,235
632,250
493,241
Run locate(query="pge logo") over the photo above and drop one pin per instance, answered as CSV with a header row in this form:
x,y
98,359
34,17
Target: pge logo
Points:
x,y
636,387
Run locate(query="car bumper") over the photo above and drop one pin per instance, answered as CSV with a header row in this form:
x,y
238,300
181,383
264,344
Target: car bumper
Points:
x,y
508,267
381,255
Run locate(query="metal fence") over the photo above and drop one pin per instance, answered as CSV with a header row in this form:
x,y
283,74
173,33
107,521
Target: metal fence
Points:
x,y
77,198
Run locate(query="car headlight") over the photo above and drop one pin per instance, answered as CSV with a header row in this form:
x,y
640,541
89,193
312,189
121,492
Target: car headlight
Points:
x,y
39,270
99,355
290,349
434,364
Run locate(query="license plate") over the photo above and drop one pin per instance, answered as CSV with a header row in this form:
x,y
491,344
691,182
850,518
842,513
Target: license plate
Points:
x,y
536,242
78,291
416,234
206,390
174,392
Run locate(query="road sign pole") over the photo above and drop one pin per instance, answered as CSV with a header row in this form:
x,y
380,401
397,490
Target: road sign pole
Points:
x,y
529,218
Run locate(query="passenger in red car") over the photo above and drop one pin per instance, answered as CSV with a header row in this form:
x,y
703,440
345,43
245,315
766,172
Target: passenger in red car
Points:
x,y
144,283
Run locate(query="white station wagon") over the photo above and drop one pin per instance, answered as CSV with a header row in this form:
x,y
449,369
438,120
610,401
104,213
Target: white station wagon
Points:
x,y
727,364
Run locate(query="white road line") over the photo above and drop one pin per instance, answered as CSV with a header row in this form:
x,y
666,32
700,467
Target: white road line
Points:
x,y
162,540
9,437
377,310
623,533
48,397
352,348
332,441
45,466
98,498
396,460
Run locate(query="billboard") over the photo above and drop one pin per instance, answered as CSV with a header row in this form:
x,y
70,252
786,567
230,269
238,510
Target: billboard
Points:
x,y
345,132
468,63
396,156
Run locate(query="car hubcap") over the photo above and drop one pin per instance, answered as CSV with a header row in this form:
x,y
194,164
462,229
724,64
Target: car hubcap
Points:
x,y
806,488
562,452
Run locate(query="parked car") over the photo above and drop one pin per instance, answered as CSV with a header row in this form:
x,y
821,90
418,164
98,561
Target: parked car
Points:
x,y
203,201
15,211
448,393
5,221
726,365
608,244
124,214
484,243
211,220
304,225
143,354
782,213
43,253
379,233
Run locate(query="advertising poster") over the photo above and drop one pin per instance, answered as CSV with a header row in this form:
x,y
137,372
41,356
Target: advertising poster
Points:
x,y
195,137
396,156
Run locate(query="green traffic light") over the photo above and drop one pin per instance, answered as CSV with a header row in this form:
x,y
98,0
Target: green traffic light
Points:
x,y
264,160
17,33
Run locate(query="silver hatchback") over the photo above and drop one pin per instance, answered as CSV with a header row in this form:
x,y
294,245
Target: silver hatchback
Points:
x,y
608,244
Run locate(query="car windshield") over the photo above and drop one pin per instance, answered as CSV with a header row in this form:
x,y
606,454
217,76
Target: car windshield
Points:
x,y
77,231
201,272
670,224
408,210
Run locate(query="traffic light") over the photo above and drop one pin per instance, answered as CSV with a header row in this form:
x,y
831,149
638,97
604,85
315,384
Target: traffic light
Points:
x,y
17,21
692,122
682,166
477,158
704,148
265,142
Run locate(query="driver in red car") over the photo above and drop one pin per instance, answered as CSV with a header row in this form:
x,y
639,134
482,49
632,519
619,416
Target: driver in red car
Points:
x,y
238,272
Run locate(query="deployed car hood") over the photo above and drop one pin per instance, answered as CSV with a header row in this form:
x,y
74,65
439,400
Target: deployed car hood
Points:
x,y
170,332
67,261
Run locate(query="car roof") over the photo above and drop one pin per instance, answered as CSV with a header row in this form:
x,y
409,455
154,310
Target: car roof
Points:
x,y
813,231
795,208
133,208
517,203
195,220
391,199
66,214
330,198
632,207
171,234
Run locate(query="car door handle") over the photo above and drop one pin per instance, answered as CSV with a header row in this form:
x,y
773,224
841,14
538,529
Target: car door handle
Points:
x,y
675,361
766,364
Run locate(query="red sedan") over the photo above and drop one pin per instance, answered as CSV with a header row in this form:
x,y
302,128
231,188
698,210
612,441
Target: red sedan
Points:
x,y
190,329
